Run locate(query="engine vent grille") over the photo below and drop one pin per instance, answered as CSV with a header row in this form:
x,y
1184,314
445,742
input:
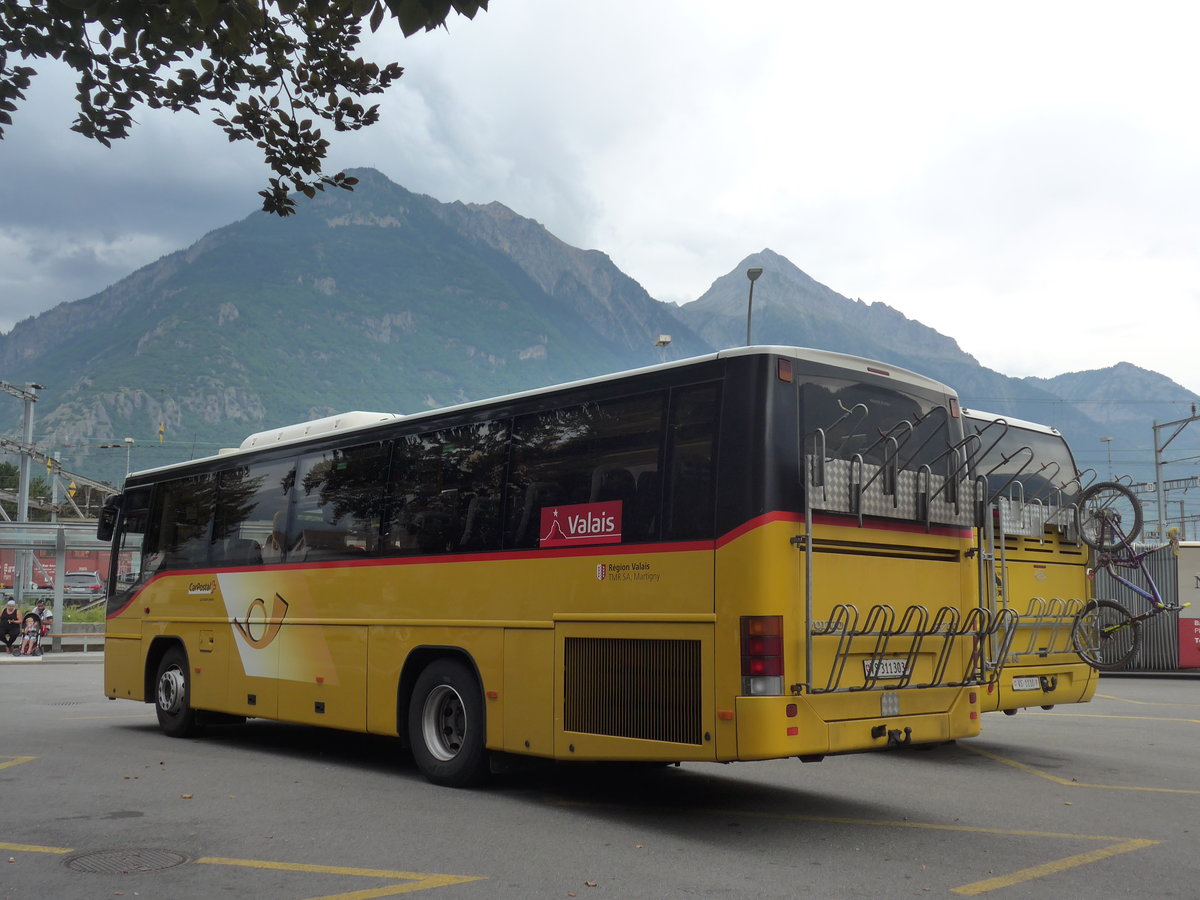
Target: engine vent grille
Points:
x,y
634,688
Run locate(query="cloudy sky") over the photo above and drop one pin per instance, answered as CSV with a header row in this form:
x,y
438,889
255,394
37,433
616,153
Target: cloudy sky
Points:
x,y
1024,178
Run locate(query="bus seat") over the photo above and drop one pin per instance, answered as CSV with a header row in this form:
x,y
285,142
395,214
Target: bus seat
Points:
x,y
433,528
642,521
612,483
479,530
241,552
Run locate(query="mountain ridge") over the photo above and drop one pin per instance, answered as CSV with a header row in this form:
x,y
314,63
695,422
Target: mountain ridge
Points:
x,y
391,300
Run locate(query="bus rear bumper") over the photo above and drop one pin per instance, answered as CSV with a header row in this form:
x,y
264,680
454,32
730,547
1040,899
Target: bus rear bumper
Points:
x,y
778,727
1019,687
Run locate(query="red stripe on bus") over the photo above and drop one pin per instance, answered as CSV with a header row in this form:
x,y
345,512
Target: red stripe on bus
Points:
x,y
563,553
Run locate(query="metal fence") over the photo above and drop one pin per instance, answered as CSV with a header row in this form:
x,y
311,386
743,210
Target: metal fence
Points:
x,y
1160,635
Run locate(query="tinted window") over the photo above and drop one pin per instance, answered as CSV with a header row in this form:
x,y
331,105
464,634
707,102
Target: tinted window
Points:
x,y
250,525
180,521
874,422
591,453
131,565
1021,463
445,490
338,503
689,500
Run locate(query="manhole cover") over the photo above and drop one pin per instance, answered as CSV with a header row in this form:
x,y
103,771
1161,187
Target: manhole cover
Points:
x,y
125,862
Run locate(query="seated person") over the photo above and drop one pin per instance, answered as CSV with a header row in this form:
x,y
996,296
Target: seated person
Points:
x,y
31,630
10,625
46,615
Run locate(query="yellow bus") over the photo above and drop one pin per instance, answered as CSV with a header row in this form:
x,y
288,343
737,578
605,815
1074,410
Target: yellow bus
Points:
x,y
1033,569
756,554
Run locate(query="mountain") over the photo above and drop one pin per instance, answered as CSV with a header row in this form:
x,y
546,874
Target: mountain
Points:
x,y
382,299
790,308
377,299
1126,428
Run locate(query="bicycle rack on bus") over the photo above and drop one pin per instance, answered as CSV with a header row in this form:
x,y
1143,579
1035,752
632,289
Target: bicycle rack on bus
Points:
x,y
1043,627
880,629
889,489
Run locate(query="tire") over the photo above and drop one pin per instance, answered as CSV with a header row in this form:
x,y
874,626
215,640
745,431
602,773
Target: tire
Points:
x,y
446,728
1103,506
173,695
1105,635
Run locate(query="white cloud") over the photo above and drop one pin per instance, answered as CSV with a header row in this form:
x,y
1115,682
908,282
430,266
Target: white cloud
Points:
x,y
1021,178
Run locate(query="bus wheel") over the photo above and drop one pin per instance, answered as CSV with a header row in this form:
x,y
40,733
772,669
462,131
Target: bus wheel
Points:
x,y
173,696
445,725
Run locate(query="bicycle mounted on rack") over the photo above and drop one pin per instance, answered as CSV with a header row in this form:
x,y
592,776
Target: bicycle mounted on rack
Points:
x,y
1106,634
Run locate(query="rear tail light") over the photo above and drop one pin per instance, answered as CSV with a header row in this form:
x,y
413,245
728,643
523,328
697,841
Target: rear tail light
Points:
x,y
762,655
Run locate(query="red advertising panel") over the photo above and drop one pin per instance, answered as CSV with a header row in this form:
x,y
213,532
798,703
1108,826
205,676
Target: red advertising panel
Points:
x,y
1189,643
581,523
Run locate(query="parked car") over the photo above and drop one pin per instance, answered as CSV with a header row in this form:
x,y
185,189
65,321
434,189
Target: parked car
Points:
x,y
86,583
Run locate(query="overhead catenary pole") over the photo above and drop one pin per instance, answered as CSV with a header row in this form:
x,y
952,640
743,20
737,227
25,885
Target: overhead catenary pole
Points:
x,y
29,395
1160,498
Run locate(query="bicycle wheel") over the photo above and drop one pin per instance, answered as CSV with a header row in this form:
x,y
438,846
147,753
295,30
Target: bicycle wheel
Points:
x,y
1105,635
1110,516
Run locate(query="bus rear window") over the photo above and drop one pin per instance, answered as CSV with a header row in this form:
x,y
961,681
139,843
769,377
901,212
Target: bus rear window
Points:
x,y
874,422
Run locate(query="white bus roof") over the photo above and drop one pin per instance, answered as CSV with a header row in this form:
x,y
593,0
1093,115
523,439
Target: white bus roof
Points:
x,y
1011,420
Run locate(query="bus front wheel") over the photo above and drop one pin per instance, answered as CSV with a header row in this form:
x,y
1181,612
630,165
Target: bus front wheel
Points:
x,y
173,695
445,725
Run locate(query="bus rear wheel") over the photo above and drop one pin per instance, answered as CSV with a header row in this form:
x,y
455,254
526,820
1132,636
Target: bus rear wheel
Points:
x,y
446,727
173,695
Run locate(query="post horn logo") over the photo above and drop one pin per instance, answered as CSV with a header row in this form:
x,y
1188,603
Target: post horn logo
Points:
x,y
258,629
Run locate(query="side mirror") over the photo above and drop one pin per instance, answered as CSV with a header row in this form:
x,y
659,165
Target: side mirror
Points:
x,y
107,523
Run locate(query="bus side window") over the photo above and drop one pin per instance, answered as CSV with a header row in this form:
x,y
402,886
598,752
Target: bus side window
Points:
x,y
444,490
180,520
691,454
132,565
252,505
590,453
338,503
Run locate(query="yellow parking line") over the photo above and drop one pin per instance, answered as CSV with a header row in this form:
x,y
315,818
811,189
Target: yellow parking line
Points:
x,y
1139,702
1051,868
31,848
1121,845
1073,715
415,881
14,761
1068,783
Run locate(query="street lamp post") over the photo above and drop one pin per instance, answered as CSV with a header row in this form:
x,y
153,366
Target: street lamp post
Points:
x,y
128,447
662,343
1107,442
752,274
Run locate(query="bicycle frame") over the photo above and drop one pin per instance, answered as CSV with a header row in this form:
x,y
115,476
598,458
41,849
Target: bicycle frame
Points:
x,y
1110,562
1106,634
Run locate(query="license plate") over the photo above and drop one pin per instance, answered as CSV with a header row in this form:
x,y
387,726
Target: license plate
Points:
x,y
885,668
1026,683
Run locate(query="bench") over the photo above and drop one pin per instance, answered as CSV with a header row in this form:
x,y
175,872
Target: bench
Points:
x,y
72,638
